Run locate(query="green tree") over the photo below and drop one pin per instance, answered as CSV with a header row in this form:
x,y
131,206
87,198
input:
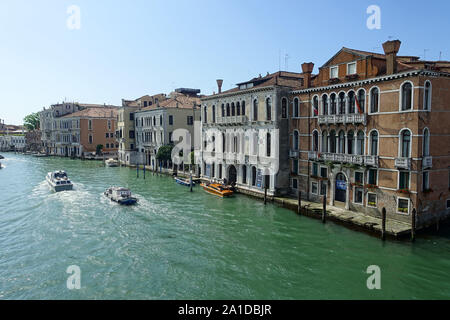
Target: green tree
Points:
x,y
165,153
98,149
31,122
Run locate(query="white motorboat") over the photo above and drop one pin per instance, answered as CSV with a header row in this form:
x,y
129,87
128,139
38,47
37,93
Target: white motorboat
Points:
x,y
59,181
112,163
120,195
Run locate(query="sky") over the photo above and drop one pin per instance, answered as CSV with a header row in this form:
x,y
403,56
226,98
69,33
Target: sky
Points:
x,y
127,49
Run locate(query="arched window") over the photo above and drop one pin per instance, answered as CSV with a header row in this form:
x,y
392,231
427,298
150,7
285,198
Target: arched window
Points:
x,y
341,142
324,141
374,143
427,96
268,109
315,106
350,139
406,96
228,110
315,141
243,108
333,103
223,110
341,103
244,174
362,100
333,141
255,110
160,120
205,116
405,143
268,144
214,114
351,102
284,108
296,111
360,143
295,141
238,109
325,104
374,100
233,109
426,142
253,176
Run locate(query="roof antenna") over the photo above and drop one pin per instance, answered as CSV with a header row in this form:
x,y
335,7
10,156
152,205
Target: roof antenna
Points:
x,y
286,62
425,53
440,55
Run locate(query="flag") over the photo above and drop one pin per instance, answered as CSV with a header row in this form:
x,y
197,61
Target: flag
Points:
x,y
357,104
315,111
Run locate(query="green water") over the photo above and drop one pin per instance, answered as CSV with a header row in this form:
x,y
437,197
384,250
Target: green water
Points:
x,y
178,245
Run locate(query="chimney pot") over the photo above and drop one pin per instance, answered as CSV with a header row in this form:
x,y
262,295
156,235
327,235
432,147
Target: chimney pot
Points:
x,y
391,49
307,69
219,85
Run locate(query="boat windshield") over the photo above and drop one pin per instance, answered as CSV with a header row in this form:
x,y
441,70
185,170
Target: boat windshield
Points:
x,y
60,175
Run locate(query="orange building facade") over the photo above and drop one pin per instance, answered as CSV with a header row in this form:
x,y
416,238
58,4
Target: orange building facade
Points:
x,y
370,131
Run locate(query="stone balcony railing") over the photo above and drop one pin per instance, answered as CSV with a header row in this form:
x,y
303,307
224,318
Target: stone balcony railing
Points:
x,y
403,163
343,119
344,158
232,120
427,162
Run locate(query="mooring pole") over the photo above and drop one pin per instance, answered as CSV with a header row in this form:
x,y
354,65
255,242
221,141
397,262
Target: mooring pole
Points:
x,y
265,195
137,170
383,224
190,180
299,209
324,210
413,225
144,171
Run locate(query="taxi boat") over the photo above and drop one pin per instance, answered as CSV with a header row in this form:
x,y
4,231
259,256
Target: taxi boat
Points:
x,y
120,195
59,181
218,189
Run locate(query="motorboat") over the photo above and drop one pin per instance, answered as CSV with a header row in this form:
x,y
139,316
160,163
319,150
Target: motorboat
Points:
x,y
59,181
218,189
184,182
112,163
120,195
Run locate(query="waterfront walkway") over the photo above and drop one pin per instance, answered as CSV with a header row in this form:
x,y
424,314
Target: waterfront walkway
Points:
x,y
351,219
357,220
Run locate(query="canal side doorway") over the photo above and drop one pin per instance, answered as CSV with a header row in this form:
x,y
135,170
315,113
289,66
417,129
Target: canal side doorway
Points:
x,y
340,191
232,175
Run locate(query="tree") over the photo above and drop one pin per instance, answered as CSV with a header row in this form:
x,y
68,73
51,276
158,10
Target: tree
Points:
x,y
99,149
31,122
165,153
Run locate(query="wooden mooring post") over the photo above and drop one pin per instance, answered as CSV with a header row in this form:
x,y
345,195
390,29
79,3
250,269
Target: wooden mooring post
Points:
x,y
144,171
265,195
383,224
190,181
324,210
413,225
299,208
137,171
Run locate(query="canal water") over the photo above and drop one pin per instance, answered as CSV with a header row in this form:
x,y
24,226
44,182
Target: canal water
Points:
x,y
181,245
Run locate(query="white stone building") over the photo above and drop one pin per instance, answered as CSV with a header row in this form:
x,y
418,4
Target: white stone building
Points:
x,y
245,136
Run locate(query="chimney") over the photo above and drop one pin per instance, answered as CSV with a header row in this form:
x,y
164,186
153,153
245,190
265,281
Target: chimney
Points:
x,y
307,69
219,85
390,50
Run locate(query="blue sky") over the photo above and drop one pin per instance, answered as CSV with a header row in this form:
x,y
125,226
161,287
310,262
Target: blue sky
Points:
x,y
126,49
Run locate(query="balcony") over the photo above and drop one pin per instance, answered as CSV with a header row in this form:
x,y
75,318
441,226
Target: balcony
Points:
x,y
403,163
344,158
233,120
293,153
427,162
355,118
